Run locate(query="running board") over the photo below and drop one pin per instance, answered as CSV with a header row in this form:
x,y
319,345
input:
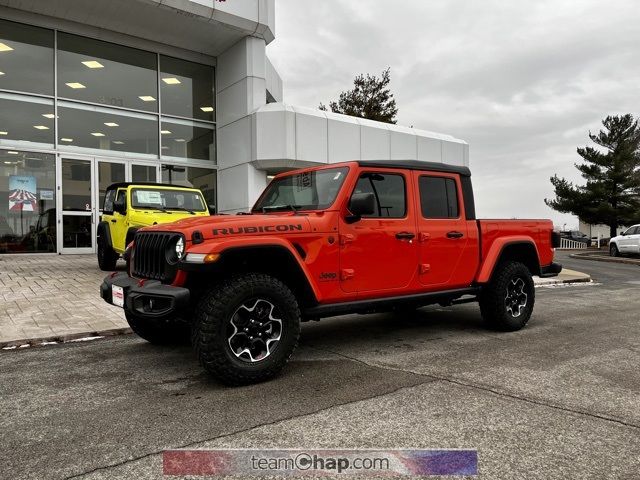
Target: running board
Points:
x,y
445,297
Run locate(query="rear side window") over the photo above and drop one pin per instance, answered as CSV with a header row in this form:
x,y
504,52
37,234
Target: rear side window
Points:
x,y
108,201
438,197
389,192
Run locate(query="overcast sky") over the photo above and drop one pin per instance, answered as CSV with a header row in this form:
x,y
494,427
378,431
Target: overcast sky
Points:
x,y
521,82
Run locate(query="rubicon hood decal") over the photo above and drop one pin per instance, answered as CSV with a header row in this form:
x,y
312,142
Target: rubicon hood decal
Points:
x,y
258,229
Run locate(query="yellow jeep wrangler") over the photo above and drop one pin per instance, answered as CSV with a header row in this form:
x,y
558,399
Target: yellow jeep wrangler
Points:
x,y
130,206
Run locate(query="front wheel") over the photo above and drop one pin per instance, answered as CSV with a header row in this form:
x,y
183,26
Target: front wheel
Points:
x,y
246,328
107,257
613,250
506,302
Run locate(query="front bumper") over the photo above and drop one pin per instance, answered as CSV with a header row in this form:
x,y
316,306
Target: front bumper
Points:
x,y
147,298
551,270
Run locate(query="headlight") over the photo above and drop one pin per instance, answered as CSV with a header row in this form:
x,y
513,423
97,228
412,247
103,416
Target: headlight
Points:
x,y
180,248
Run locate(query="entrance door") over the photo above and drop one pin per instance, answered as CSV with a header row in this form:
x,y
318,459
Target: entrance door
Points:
x,y
77,218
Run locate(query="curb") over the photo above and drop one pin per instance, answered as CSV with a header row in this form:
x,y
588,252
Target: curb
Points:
x,y
544,281
602,258
71,337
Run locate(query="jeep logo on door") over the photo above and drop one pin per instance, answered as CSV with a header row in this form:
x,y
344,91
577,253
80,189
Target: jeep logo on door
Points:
x,y
260,229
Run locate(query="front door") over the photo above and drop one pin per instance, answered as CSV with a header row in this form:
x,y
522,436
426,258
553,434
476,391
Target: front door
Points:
x,y
77,218
378,252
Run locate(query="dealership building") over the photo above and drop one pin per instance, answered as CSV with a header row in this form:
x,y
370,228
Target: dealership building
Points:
x,y
171,91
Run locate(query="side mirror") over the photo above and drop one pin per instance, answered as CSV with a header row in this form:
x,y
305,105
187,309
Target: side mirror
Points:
x,y
212,209
623,233
119,206
361,204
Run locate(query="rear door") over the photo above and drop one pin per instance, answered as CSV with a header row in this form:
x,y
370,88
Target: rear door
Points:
x,y
379,252
447,243
634,240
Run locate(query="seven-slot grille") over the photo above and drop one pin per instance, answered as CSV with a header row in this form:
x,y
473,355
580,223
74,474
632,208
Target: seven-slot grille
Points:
x,y
150,255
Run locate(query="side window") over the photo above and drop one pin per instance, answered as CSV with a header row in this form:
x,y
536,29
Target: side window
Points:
x,y
630,231
108,201
122,196
438,197
389,192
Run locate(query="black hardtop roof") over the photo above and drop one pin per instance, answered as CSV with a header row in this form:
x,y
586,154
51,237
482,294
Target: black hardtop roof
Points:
x,y
417,165
146,184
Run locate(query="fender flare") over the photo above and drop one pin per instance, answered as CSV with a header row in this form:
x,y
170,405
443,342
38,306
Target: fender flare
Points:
x,y
103,231
495,252
131,232
238,244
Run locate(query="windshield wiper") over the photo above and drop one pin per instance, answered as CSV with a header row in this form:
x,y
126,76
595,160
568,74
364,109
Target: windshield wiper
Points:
x,y
273,208
182,210
158,208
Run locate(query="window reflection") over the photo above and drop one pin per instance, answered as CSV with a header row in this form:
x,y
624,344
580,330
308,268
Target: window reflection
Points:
x,y
202,178
26,119
101,72
27,202
26,58
102,129
186,139
187,89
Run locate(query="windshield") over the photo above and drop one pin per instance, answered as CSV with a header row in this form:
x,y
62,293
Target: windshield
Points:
x,y
310,190
161,199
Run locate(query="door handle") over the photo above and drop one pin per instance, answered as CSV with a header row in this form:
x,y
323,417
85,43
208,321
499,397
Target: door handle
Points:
x,y
113,220
455,235
405,235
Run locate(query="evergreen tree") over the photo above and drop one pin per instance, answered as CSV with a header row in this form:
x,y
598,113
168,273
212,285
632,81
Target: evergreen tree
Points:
x,y
370,98
611,195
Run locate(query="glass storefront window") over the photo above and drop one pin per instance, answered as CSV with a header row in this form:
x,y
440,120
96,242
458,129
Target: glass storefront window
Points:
x,y
201,178
187,139
26,58
108,173
187,89
102,72
143,173
98,128
28,120
27,202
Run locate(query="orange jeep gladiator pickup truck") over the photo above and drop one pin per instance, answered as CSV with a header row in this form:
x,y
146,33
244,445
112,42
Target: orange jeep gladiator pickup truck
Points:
x,y
354,237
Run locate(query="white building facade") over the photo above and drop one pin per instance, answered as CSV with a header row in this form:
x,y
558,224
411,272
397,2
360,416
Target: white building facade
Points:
x,y
171,91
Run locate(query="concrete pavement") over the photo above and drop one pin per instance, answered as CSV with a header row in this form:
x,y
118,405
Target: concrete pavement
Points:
x,y
54,298
559,399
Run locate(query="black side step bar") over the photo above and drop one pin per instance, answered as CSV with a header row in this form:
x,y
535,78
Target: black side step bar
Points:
x,y
446,297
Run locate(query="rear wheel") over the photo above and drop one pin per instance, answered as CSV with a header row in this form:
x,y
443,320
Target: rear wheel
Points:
x,y
107,257
613,250
246,328
506,302
159,333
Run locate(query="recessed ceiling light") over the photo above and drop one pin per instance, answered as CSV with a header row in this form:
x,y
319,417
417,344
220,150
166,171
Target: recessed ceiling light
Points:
x,y
48,115
92,64
118,142
1,73
8,163
97,134
66,139
111,124
4,133
4,47
171,81
165,148
165,132
147,98
206,109
179,140
41,127
11,152
75,85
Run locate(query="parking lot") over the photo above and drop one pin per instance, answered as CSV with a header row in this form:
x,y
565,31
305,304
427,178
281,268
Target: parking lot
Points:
x,y
559,399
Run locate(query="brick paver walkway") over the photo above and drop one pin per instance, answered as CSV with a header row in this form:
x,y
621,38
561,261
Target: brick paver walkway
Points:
x,y
49,296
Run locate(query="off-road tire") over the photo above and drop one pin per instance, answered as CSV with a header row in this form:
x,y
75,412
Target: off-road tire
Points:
x,y
493,298
107,257
159,334
613,250
215,311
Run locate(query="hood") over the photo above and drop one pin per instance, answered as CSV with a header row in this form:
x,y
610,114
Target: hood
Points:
x,y
221,226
